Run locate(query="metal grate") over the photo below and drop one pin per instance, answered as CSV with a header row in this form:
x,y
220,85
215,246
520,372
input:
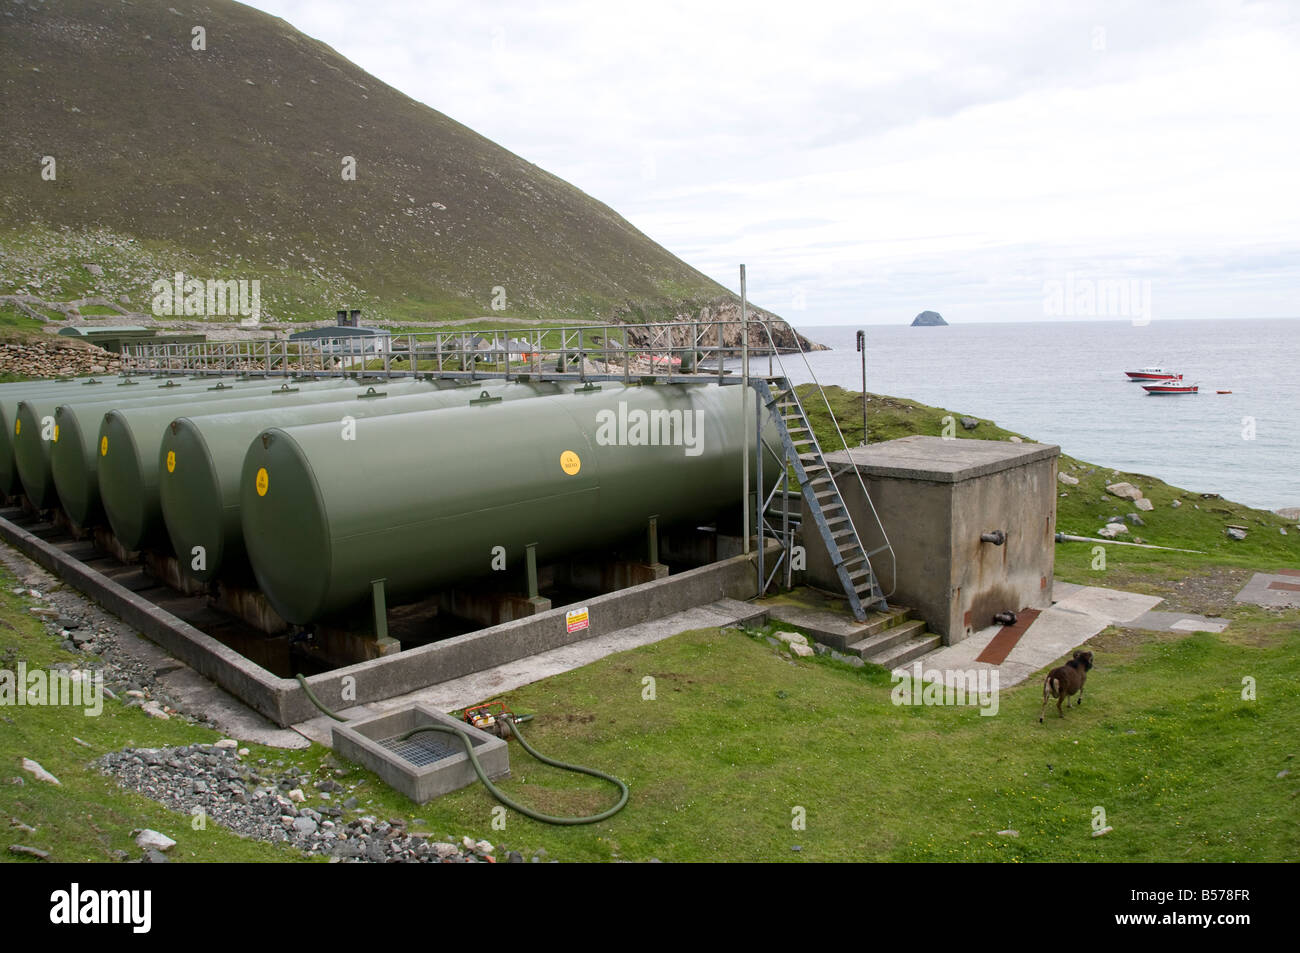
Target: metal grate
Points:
x,y
428,747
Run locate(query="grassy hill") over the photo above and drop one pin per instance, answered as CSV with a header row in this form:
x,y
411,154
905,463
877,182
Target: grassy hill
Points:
x,y
228,163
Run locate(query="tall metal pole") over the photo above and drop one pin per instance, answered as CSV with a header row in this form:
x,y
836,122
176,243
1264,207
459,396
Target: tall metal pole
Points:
x,y
862,346
744,412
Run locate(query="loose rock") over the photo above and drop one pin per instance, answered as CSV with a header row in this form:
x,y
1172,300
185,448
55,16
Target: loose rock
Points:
x,y
149,839
1125,491
39,773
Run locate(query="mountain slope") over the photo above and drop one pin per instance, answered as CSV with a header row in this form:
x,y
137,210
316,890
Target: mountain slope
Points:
x,y
231,159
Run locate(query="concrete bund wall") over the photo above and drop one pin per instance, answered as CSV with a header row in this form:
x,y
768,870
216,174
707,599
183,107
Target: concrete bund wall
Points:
x,y
283,701
734,578
246,680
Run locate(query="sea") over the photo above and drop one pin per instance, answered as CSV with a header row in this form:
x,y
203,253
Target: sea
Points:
x,y
1063,382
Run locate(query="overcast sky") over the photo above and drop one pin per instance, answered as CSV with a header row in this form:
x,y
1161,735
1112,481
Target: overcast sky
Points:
x,y
869,161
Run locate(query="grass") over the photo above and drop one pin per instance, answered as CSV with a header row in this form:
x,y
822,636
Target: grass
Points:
x,y
739,736
15,325
88,816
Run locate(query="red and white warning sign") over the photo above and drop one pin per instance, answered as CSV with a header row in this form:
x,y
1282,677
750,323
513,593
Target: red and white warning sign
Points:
x,y
577,619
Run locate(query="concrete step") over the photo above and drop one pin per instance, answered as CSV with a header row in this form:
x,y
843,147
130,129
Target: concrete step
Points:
x,y
907,651
886,639
838,629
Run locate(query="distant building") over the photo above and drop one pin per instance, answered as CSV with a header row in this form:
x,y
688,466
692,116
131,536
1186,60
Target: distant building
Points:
x,y
347,337
119,338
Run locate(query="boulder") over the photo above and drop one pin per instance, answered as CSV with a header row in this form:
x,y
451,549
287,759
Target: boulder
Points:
x,y
1111,530
152,840
1067,479
1125,491
1144,504
39,773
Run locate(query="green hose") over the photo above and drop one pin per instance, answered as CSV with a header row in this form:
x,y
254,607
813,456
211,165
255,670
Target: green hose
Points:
x,y
482,775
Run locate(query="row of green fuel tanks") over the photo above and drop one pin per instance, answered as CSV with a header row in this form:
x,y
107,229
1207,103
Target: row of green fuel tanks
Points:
x,y
322,487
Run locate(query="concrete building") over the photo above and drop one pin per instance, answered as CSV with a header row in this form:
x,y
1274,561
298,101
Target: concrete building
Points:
x,y
936,499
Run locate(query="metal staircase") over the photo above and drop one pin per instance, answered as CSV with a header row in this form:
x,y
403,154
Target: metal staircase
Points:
x,y
822,502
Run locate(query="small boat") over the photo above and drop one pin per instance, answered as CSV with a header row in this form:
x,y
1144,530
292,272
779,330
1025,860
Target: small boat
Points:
x,y
1176,386
1223,392
1153,374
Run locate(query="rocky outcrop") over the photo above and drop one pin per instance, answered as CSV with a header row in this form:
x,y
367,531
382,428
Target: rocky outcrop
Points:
x,y
726,311
39,359
929,319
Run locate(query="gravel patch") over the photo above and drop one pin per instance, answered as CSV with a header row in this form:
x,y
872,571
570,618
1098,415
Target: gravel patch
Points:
x,y
252,799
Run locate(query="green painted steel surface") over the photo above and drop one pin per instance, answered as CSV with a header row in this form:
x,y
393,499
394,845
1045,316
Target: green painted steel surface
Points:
x,y
201,458
35,429
420,500
128,472
74,456
11,395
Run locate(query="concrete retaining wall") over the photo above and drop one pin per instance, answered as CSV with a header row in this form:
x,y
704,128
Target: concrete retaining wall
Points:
x,y
284,702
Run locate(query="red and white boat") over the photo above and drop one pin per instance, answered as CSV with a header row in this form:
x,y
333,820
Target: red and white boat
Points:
x,y
1176,386
1153,374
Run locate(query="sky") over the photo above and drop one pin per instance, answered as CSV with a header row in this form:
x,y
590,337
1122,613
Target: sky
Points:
x,y
997,161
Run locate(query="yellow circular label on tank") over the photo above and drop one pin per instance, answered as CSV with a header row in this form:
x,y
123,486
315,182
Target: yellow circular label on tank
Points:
x,y
570,463
103,446
171,461
18,427
56,433
263,481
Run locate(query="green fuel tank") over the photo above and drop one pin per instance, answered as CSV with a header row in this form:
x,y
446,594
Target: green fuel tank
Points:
x,y
75,452
421,500
127,466
201,457
10,397
36,431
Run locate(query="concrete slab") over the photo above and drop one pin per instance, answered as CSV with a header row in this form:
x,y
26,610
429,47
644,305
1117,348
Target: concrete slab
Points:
x,y
1062,589
1259,592
1057,631
935,459
1114,605
459,693
1178,622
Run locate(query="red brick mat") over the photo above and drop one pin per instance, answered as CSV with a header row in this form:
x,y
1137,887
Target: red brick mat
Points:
x,y
1287,572
1286,586
996,652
